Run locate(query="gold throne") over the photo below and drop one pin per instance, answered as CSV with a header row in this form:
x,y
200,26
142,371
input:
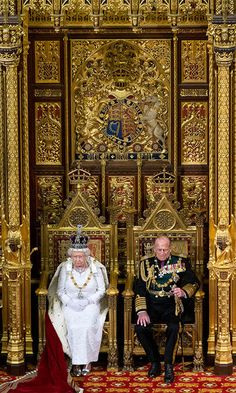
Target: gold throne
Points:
x,y
163,218
55,241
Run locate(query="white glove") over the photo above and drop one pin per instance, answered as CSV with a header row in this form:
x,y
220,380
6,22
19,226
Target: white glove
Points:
x,y
83,302
78,304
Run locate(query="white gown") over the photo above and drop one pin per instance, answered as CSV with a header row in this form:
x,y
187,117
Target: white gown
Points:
x,y
80,330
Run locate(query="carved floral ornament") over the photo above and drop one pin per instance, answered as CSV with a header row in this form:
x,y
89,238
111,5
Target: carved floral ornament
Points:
x,y
224,36
10,43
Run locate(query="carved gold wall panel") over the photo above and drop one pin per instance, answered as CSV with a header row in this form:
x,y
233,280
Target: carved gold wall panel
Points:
x,y
194,193
194,132
91,191
47,61
152,191
194,61
48,133
122,193
121,95
49,191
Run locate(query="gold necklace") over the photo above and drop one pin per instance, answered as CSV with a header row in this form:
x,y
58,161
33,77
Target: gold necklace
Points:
x,y
80,287
165,284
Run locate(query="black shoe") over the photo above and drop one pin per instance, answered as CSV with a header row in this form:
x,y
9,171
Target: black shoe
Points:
x,y
169,373
154,370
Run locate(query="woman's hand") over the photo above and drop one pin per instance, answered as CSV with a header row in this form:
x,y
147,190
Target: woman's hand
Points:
x,y
78,304
83,302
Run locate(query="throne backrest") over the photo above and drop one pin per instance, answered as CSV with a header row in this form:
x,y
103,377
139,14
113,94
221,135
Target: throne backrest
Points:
x,y
165,219
183,243
59,241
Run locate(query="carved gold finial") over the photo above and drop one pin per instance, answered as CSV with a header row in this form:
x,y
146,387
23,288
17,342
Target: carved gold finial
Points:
x,y
165,181
57,17
78,176
96,15
135,16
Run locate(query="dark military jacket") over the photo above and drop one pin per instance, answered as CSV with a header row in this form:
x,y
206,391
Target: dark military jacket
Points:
x,y
157,279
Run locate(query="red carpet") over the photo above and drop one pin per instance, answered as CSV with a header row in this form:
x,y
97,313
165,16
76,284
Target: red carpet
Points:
x,y
100,381
138,382
4,377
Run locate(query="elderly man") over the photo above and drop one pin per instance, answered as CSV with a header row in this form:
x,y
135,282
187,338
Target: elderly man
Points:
x,y
164,282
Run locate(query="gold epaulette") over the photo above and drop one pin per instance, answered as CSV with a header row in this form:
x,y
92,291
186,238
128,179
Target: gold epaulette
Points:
x,y
140,303
147,257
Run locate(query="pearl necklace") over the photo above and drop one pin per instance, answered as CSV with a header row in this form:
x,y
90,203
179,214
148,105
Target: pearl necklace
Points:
x,y
80,287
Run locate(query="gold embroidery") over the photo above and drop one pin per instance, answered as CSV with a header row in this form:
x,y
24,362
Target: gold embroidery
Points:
x,y
150,272
140,303
190,289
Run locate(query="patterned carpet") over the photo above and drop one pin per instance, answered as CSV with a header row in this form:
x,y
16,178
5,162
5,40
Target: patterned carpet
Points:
x,y
100,381
4,377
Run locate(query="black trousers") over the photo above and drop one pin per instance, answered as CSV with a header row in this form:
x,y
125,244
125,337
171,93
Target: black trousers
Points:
x,y
160,310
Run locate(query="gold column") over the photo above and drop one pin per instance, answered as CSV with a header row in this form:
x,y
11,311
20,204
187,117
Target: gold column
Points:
x,y
139,166
67,163
173,17
223,357
212,312
129,212
234,140
128,293
233,291
212,192
12,269
4,338
25,197
103,170
223,136
112,293
212,161
14,228
175,90
221,39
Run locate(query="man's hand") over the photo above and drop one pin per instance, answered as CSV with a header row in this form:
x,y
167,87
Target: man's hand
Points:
x,y
143,318
178,292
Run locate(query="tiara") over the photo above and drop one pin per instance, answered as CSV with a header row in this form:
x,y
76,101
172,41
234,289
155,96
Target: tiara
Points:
x,y
79,241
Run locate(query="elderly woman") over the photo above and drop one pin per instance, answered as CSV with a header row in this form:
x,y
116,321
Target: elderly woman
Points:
x,y
77,305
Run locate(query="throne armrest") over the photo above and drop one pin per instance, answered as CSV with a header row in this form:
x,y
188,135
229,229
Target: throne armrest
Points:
x,y
198,305
128,291
112,290
43,284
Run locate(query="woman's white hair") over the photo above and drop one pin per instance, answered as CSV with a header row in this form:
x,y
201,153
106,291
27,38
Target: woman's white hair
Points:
x,y
86,251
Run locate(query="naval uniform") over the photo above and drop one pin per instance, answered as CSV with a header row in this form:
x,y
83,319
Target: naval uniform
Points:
x,y
153,291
